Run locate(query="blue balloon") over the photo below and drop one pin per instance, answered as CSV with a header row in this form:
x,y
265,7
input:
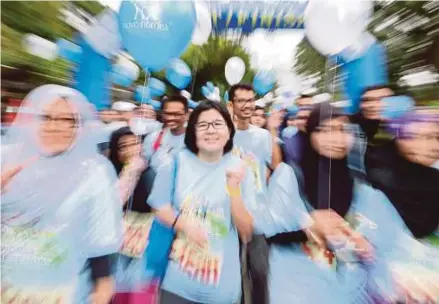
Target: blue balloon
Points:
x,y
156,87
142,93
264,82
69,51
368,70
120,79
226,96
293,110
205,91
179,74
193,104
396,106
210,86
154,32
157,105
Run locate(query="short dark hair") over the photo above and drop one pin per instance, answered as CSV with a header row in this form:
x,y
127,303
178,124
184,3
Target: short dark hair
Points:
x,y
239,86
259,108
305,96
376,87
176,98
190,138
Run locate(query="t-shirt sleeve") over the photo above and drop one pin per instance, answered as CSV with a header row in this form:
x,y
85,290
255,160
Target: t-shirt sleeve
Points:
x,y
285,210
103,214
268,148
163,187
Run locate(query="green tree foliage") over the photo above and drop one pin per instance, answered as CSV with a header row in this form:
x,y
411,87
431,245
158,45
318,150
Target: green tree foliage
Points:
x,y
408,46
207,63
91,7
38,17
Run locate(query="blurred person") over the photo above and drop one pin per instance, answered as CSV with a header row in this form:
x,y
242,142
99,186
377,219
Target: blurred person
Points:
x,y
135,183
329,251
404,170
125,109
60,206
371,107
144,120
112,120
304,100
258,118
261,152
159,147
294,136
201,195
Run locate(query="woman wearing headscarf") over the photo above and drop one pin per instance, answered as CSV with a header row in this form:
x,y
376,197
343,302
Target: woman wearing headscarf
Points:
x,y
135,183
328,260
60,206
404,170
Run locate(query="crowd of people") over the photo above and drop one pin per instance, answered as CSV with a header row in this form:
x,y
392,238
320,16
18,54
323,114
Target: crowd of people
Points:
x,y
219,204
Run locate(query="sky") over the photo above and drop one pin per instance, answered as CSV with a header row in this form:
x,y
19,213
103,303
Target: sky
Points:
x,y
267,50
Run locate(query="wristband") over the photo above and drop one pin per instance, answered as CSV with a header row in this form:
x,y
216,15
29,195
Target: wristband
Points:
x,y
233,191
175,221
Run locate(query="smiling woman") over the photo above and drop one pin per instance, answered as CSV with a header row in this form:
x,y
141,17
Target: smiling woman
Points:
x,y
203,194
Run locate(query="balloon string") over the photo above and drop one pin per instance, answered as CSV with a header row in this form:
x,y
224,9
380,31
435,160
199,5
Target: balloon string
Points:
x,y
194,77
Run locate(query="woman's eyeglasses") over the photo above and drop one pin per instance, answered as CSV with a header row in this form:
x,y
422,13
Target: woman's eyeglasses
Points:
x,y
204,126
64,122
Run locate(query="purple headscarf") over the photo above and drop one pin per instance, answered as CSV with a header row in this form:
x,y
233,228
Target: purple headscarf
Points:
x,y
399,127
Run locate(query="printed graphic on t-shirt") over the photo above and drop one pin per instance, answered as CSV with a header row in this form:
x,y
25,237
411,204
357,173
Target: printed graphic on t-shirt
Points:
x,y
22,244
137,227
252,162
201,264
56,295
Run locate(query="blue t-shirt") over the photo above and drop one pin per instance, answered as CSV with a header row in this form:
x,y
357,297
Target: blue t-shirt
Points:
x,y
210,274
169,146
41,261
254,146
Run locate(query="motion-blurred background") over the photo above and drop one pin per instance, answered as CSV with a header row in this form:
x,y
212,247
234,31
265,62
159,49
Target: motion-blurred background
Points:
x,y
408,29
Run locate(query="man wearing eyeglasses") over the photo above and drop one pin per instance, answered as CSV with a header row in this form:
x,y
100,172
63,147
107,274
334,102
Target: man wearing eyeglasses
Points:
x,y
159,147
254,145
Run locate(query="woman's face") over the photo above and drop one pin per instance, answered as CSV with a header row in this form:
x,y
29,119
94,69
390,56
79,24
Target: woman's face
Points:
x,y
421,145
58,127
332,139
108,116
211,131
128,147
258,118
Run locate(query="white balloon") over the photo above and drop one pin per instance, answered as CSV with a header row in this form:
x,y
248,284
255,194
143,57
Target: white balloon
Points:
x,y
104,35
40,47
268,97
127,68
235,70
186,94
203,28
216,91
331,26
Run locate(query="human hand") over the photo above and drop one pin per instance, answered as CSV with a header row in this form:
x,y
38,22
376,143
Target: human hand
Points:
x,y
9,173
234,177
274,120
195,233
138,164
